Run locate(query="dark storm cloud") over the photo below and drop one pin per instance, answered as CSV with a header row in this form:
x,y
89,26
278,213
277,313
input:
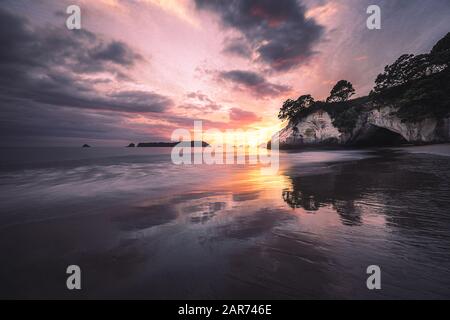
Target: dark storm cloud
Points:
x,y
58,89
48,65
48,79
78,49
238,47
116,52
40,124
277,30
254,83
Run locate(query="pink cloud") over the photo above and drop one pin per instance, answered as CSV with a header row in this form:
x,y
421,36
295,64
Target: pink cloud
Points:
x,y
243,117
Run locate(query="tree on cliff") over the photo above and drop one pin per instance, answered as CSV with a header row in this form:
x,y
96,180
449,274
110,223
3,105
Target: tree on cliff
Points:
x,y
408,67
342,91
418,85
291,109
440,54
442,45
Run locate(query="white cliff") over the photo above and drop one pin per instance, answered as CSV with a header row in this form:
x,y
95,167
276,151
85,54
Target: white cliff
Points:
x,y
418,132
318,129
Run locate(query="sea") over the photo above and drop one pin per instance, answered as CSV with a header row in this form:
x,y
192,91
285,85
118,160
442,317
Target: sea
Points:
x,y
139,226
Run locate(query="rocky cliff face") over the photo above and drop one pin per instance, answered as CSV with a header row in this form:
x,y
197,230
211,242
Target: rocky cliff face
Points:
x,y
410,103
317,128
377,125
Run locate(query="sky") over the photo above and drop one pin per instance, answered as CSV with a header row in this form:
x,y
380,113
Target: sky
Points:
x,y
139,69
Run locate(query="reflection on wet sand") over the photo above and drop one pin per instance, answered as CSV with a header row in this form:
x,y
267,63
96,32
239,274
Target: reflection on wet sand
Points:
x,y
384,185
264,249
309,231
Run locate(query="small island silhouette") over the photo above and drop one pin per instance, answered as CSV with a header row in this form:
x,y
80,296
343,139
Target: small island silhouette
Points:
x,y
172,144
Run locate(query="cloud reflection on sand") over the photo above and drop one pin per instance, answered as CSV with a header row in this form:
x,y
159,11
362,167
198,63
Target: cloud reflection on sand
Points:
x,y
308,231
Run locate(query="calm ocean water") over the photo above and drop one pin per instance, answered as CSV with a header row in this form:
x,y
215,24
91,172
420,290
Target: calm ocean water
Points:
x,y
141,227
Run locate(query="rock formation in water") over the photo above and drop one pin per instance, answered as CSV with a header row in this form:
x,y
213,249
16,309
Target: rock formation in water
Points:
x,y
410,103
131,145
86,146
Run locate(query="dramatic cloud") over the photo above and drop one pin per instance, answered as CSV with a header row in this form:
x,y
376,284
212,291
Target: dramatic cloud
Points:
x,y
50,66
46,71
254,83
27,123
238,47
115,82
278,30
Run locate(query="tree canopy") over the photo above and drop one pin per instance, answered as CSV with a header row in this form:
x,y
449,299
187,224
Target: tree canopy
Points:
x,y
292,108
342,91
442,45
406,68
419,85
410,67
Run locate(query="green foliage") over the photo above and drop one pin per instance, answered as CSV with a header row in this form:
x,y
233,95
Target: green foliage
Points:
x,y
292,108
428,97
410,68
346,120
442,45
342,91
407,68
418,85
343,114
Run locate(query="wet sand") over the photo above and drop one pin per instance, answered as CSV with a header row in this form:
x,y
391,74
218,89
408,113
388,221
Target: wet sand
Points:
x,y
139,228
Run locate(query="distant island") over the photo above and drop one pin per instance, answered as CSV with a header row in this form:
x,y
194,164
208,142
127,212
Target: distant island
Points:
x,y
410,104
171,144
86,146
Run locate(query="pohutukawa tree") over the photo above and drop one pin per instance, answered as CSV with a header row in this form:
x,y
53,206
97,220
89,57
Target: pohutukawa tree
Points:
x,y
409,67
342,91
292,108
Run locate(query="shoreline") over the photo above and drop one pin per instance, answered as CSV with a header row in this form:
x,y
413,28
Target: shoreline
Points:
x,y
442,149
310,148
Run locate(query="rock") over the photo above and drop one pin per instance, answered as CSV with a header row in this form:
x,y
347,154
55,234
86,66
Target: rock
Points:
x,y
131,145
86,146
316,129
410,104
376,125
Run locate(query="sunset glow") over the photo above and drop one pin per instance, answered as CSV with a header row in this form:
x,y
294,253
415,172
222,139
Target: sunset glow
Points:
x,y
167,63
218,157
